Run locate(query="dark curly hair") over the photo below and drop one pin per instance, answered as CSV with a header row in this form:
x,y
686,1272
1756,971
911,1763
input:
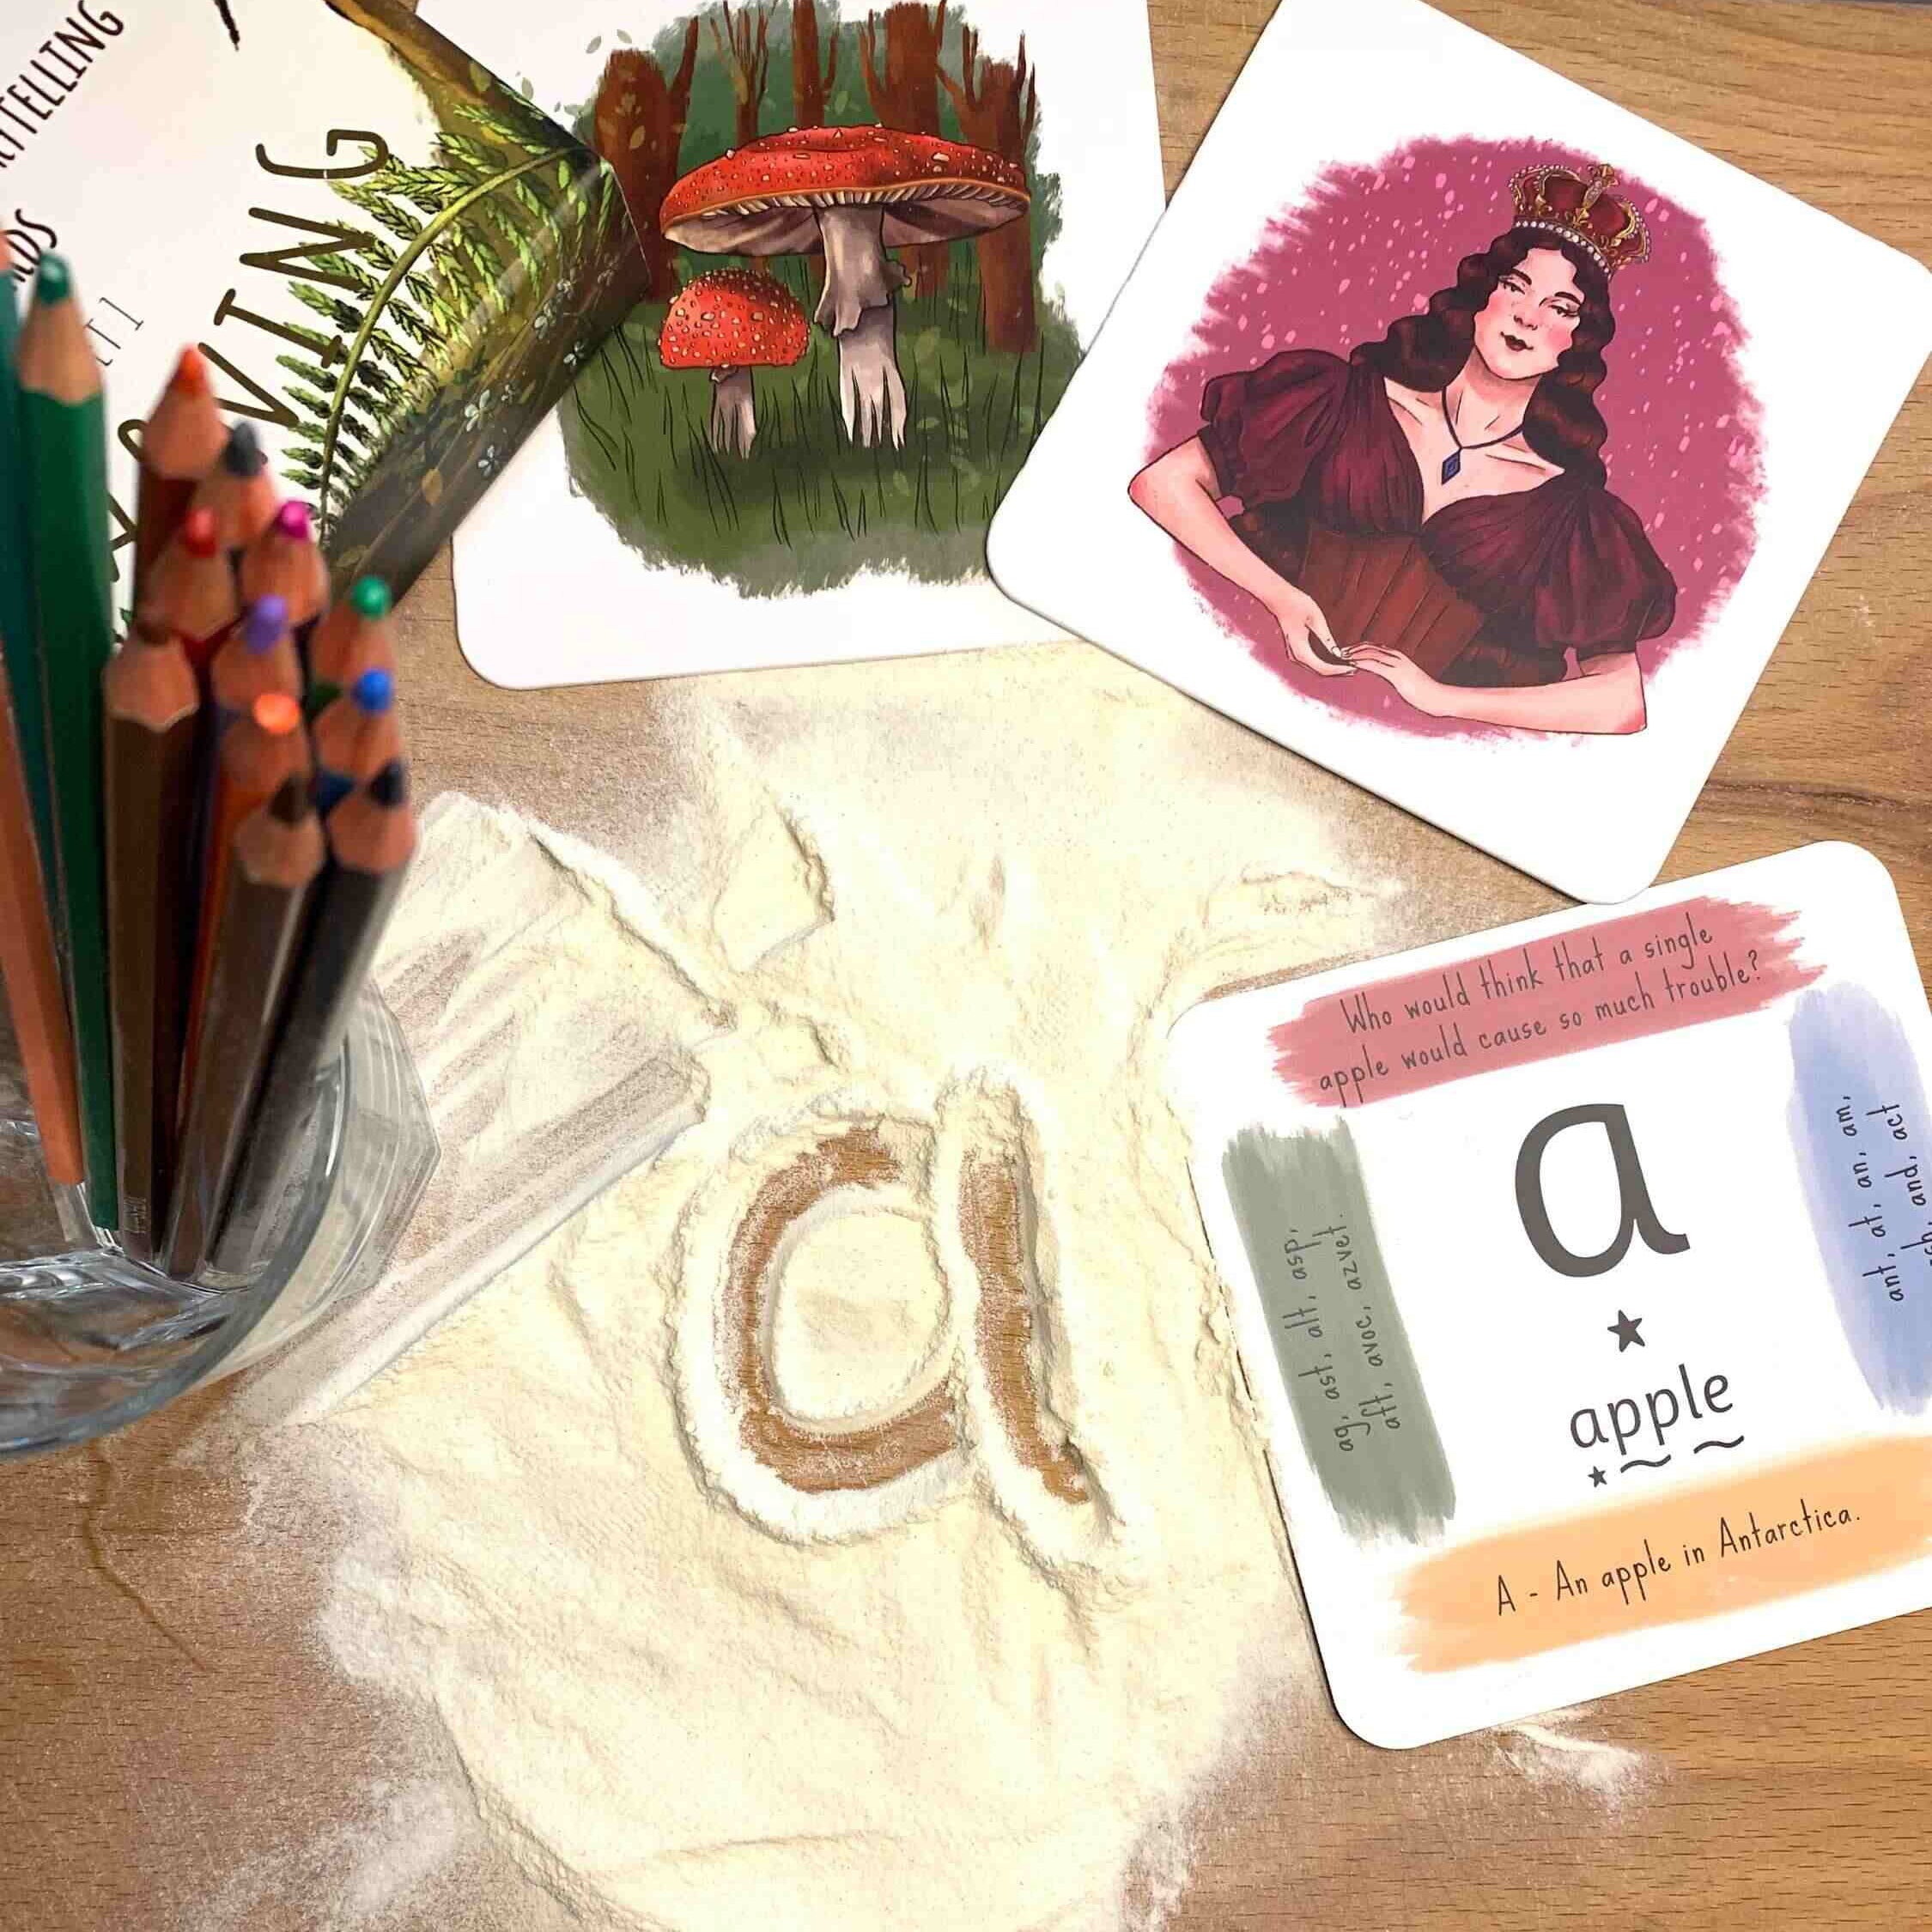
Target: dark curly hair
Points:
x,y
1427,352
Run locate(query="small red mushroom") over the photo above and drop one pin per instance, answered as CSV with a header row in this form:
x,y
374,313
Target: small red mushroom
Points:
x,y
851,193
731,323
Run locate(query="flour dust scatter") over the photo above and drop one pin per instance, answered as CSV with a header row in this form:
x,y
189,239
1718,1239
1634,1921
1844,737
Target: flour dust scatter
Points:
x,y
861,1491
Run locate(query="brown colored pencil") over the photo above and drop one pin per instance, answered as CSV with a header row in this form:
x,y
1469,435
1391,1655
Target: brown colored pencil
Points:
x,y
354,738
284,561
240,491
181,443
258,754
372,838
356,636
30,968
191,591
275,859
153,707
259,658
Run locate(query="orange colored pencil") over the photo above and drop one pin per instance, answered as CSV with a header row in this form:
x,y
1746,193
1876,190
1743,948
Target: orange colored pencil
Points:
x,y
258,755
181,443
31,969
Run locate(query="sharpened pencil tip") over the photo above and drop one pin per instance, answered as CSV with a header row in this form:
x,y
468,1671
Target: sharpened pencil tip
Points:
x,y
201,535
277,714
391,786
54,282
373,691
295,521
268,618
190,372
245,456
370,598
291,803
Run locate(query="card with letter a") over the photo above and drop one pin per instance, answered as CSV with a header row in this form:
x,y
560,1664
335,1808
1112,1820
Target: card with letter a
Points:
x,y
1581,1273
1467,434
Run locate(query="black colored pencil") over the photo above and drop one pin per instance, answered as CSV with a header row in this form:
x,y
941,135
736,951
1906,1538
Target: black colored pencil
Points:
x,y
372,838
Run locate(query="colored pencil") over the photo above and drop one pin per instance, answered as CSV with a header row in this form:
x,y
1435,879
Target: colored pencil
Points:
x,y
190,592
153,708
67,443
240,492
372,838
260,657
182,441
31,969
284,561
355,738
257,756
18,640
356,636
275,859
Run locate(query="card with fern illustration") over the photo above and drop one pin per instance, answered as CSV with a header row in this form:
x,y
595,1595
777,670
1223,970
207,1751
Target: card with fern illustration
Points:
x,y
486,271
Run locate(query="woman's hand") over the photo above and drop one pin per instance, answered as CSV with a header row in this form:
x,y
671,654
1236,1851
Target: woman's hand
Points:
x,y
1428,697
1307,633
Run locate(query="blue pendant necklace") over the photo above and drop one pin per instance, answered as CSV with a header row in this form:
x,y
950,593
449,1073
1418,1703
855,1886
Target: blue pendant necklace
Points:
x,y
1452,464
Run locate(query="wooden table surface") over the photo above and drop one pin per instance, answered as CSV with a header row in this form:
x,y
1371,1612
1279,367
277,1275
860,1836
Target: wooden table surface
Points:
x,y
170,1735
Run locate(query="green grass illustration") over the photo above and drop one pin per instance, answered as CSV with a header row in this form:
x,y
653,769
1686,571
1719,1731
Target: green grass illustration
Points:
x,y
807,510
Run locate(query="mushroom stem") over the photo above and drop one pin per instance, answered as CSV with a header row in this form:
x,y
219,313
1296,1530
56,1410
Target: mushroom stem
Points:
x,y
872,394
857,309
734,412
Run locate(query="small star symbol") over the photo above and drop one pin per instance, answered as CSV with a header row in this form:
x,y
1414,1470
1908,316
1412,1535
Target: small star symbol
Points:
x,y
1598,1479
1624,1329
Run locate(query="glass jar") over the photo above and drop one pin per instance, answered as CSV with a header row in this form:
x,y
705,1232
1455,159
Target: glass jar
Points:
x,y
90,1341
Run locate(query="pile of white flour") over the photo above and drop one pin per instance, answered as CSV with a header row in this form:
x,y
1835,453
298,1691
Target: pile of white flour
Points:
x,y
952,902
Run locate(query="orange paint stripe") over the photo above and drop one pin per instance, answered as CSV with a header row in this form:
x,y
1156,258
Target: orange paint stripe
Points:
x,y
1452,1602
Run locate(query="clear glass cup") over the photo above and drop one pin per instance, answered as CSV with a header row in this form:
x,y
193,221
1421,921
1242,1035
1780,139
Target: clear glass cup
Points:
x,y
91,1341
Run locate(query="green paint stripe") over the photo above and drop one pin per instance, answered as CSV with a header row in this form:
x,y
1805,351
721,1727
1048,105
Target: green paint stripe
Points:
x,y
1351,1379
74,588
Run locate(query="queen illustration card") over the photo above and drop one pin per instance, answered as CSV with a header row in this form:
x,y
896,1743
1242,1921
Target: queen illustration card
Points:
x,y
1581,1275
1469,435
876,243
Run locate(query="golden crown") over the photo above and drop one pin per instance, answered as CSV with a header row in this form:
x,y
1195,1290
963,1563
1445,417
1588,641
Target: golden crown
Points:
x,y
1580,209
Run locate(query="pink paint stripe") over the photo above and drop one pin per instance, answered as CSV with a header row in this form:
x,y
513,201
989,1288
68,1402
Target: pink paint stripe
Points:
x,y
1681,965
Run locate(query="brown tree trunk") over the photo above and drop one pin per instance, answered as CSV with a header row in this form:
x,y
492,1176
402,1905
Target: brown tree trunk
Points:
x,y
999,107
905,95
641,118
811,89
743,46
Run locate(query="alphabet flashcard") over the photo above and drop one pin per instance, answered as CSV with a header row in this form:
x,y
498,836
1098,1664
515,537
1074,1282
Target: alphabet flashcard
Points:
x,y
1582,1274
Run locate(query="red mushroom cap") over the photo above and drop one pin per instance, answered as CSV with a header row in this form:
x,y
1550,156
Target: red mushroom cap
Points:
x,y
734,320
763,198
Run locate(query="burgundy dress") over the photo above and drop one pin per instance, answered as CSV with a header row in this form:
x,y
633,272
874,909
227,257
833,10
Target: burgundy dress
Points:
x,y
1491,589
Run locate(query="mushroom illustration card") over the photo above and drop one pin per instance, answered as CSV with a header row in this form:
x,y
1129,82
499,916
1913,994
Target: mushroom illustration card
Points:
x,y
876,244
1469,435
1582,1276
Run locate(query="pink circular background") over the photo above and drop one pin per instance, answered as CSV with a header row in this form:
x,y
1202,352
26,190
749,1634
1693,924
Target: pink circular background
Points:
x,y
1372,243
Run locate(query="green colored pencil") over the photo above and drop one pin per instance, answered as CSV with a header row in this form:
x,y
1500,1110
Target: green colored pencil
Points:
x,y
16,579
73,587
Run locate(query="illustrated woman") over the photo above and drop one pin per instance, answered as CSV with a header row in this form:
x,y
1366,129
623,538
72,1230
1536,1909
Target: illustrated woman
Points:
x,y
1433,511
